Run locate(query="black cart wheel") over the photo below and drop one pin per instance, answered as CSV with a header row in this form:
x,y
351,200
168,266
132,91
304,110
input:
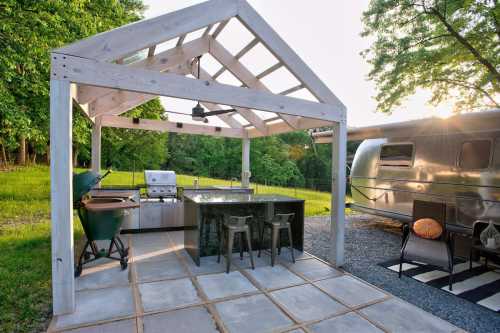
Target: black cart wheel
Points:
x,y
124,263
78,271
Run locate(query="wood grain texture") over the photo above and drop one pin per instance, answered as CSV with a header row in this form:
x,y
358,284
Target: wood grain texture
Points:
x,y
170,60
117,43
61,194
96,145
339,156
170,126
85,71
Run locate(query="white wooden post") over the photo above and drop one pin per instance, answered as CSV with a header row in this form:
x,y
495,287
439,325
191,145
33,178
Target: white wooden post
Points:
x,y
245,162
339,152
96,145
61,192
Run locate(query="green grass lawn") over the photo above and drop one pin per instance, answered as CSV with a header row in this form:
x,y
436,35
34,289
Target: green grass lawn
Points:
x,y
25,287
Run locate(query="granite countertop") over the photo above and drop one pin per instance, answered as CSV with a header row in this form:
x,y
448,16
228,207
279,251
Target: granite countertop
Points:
x,y
239,198
121,187
212,188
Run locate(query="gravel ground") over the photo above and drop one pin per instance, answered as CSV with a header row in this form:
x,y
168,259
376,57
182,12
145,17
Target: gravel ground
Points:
x,y
371,240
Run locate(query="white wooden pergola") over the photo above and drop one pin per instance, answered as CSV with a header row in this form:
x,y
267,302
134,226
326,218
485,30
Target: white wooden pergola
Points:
x,y
94,74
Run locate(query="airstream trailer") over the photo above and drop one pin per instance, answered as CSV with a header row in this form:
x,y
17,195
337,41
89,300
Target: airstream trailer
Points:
x,y
454,160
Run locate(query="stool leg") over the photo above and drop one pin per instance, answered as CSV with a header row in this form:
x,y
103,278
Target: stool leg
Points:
x,y
274,241
219,240
230,240
206,228
279,241
261,237
240,236
249,244
291,243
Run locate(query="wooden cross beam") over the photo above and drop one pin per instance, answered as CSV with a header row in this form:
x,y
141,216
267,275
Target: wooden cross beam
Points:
x,y
121,101
170,126
275,127
181,40
86,71
207,30
292,90
270,70
219,28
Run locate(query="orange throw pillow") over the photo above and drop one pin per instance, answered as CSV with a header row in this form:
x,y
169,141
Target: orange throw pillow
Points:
x,y
428,228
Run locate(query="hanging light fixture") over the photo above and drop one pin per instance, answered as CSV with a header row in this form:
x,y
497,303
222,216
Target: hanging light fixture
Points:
x,y
198,113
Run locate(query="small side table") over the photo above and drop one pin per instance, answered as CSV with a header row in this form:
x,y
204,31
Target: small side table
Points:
x,y
485,252
476,245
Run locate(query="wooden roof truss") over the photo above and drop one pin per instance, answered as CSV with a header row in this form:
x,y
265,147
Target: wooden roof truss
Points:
x,y
108,86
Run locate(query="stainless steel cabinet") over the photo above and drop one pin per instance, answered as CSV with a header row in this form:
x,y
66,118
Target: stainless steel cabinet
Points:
x,y
151,215
157,214
179,213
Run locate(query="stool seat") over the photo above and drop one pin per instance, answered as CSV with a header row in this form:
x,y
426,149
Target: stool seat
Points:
x,y
240,228
278,223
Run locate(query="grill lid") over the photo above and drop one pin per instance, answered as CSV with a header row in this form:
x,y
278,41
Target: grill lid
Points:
x,y
160,178
83,183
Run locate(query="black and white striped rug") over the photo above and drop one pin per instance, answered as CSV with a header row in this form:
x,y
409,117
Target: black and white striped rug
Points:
x,y
480,285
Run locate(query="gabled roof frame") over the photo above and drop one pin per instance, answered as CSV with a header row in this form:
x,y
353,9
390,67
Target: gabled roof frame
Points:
x,y
94,74
103,53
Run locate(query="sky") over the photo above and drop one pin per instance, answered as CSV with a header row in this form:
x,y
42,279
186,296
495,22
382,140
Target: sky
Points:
x,y
326,35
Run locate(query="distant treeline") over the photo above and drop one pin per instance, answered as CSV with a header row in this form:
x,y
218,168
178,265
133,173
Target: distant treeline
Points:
x,y
287,160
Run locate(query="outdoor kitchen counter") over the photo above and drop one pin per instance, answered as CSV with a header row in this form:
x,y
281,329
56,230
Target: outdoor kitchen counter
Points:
x,y
201,239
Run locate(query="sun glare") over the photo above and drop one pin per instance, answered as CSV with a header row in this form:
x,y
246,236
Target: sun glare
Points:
x,y
443,112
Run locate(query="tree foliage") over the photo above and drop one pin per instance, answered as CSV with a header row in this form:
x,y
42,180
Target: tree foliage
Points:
x,y
127,149
29,29
289,159
451,47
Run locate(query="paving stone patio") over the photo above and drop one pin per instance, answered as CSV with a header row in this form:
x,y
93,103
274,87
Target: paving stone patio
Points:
x,y
164,291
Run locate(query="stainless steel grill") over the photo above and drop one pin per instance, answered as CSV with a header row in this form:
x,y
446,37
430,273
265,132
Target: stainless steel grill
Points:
x,y
160,184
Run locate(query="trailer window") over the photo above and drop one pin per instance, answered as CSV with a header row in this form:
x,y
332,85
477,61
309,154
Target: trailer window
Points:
x,y
475,154
400,155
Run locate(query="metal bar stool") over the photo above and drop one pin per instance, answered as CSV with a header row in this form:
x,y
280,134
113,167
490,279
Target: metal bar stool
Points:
x,y
211,221
236,225
278,223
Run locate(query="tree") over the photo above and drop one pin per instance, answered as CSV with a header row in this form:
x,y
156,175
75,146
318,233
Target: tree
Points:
x,y
129,149
451,47
29,29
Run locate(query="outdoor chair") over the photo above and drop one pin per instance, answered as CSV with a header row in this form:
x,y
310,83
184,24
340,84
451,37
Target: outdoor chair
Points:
x,y
435,252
